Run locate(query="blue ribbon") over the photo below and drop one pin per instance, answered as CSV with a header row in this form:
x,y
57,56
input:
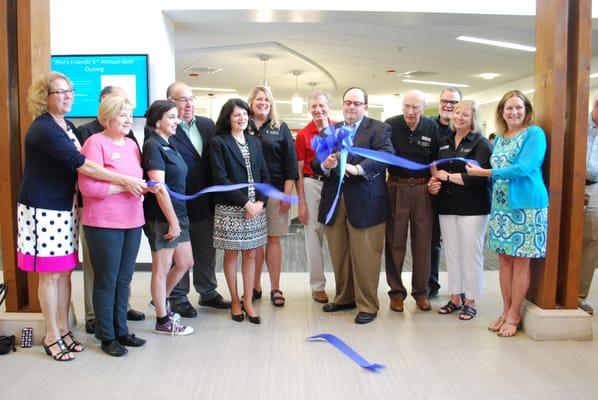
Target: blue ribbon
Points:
x,y
264,188
346,350
341,140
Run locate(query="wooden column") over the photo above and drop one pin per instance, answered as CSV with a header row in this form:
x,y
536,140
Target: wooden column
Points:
x,y
24,54
563,52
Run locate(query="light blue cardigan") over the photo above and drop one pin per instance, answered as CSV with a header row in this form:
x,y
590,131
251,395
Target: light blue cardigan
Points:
x,y
526,186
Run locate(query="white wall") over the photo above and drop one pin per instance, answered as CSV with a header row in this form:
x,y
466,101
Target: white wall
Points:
x,y
117,27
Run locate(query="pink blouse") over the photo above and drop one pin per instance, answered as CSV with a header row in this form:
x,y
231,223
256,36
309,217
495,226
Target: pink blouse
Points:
x,y
121,210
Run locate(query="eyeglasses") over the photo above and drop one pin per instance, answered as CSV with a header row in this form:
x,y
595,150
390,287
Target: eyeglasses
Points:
x,y
61,92
414,107
447,102
355,103
184,99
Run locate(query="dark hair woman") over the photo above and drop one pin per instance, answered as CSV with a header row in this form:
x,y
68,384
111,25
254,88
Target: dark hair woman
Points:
x,y
239,215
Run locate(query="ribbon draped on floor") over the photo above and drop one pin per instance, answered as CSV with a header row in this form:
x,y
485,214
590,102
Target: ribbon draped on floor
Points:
x,y
264,188
340,140
346,350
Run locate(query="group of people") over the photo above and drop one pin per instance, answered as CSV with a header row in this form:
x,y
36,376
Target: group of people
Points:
x,y
498,187
122,190
99,177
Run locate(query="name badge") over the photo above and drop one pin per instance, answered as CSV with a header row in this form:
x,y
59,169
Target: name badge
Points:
x,y
165,148
427,138
444,147
423,144
465,150
115,156
271,132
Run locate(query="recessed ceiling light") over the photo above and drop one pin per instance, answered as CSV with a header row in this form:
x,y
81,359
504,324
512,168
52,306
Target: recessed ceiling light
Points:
x,y
497,43
435,83
211,89
488,75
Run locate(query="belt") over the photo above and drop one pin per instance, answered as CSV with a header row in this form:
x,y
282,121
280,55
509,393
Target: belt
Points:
x,y
588,183
409,181
316,177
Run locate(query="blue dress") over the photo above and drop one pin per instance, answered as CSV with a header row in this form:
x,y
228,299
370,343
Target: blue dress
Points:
x,y
514,232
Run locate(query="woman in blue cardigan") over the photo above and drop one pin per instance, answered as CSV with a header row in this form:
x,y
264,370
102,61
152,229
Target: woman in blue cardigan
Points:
x,y
518,219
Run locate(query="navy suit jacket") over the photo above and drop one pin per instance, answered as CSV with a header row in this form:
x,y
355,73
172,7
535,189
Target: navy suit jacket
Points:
x,y
228,167
199,175
365,195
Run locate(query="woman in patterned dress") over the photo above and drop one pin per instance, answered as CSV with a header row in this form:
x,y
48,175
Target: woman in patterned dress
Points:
x,y
239,215
518,219
48,231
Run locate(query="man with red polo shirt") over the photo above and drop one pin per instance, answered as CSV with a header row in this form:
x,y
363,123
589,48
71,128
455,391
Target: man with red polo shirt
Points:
x,y
309,188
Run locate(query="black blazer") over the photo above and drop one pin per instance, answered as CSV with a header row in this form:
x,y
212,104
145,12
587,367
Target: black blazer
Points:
x,y
199,175
228,167
365,196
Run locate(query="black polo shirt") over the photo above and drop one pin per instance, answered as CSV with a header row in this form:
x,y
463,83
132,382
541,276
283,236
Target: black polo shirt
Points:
x,y
278,148
420,145
443,130
474,197
160,155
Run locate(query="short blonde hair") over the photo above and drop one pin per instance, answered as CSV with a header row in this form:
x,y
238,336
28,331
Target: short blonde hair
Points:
x,y
110,107
476,120
273,115
501,125
37,96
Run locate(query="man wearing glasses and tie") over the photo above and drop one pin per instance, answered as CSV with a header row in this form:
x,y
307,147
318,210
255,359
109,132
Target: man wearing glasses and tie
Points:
x,y
355,233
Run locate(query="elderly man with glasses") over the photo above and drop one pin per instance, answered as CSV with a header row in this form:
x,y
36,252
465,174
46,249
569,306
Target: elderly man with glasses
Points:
x,y
191,141
355,233
415,138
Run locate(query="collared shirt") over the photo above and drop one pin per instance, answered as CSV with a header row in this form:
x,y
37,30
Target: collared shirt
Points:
x,y
354,125
592,151
443,130
473,197
278,149
160,155
303,147
192,132
419,145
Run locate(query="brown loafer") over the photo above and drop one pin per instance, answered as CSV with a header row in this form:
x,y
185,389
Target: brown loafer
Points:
x,y
320,296
396,305
423,304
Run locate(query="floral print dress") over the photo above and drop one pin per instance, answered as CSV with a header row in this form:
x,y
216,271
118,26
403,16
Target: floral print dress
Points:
x,y
514,232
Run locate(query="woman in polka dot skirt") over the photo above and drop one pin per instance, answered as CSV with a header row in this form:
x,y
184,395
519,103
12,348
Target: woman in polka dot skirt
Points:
x,y
47,211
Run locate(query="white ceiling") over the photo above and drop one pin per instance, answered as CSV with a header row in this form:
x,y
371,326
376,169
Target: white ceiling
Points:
x,y
338,49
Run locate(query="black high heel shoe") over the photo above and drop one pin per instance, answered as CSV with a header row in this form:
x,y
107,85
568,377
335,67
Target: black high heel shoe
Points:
x,y
237,317
253,319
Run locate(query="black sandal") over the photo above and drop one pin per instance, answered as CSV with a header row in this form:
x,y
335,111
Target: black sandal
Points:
x,y
62,355
257,294
277,301
468,313
449,308
74,345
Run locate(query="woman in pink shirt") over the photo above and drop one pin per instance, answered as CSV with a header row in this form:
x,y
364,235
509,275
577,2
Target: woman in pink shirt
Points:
x,y
112,219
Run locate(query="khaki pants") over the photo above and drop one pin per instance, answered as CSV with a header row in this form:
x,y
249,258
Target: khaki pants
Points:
x,y
314,234
410,208
356,257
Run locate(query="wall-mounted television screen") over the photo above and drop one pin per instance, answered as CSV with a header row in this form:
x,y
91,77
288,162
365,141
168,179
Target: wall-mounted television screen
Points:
x,y
91,73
